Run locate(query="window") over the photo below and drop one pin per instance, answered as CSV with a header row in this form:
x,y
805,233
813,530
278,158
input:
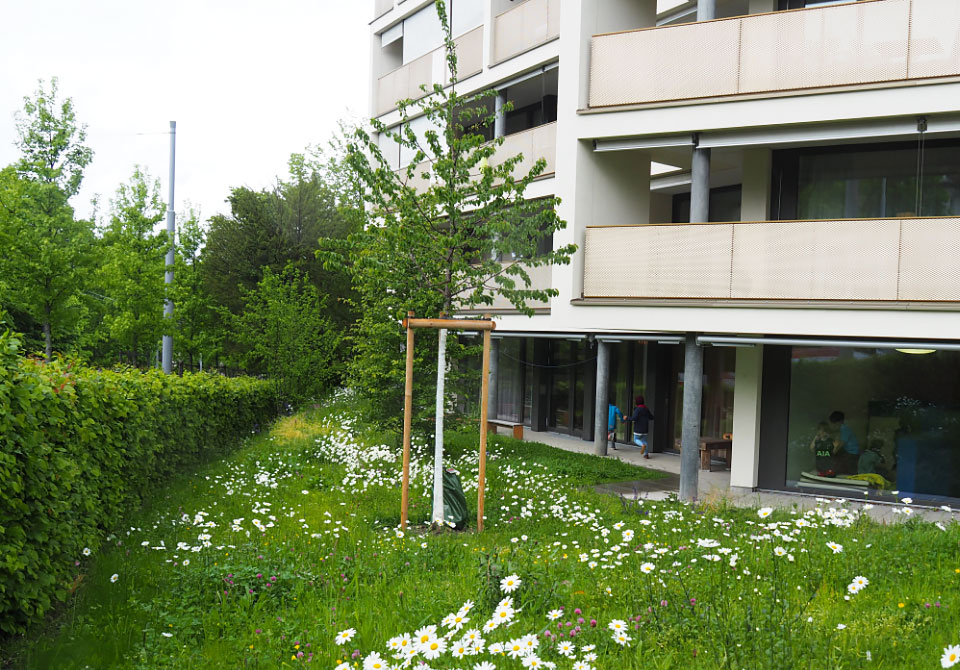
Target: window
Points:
x,y
904,179
422,32
874,420
724,205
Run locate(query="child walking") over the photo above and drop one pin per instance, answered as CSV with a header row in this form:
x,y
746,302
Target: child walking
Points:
x,y
641,418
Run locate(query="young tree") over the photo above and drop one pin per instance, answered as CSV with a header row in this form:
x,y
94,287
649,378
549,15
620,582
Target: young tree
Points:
x,y
47,250
449,232
131,269
199,329
287,334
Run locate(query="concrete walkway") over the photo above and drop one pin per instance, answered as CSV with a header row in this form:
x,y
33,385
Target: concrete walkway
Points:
x,y
713,487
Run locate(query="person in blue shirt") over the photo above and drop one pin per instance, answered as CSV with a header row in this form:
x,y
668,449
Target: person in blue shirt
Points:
x,y
613,413
849,446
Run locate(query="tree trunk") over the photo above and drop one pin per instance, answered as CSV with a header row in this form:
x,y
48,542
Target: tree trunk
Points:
x,y
47,340
437,516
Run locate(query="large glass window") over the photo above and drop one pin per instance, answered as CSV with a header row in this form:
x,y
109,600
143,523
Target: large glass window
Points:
x,y
874,420
510,379
422,32
862,182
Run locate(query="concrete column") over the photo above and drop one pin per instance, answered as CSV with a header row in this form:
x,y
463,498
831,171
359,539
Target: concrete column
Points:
x,y
700,186
706,10
755,200
500,121
600,411
745,459
690,433
493,388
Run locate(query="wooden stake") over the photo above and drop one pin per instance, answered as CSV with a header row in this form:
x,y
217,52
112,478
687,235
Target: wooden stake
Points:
x,y
407,421
484,384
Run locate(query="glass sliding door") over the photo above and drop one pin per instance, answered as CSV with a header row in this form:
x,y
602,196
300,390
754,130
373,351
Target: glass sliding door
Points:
x,y
890,180
871,421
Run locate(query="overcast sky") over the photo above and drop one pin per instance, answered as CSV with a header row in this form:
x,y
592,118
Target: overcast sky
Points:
x,y
248,83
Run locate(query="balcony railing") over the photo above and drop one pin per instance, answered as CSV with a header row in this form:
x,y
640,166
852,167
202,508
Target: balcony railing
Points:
x,y
541,277
867,42
381,7
534,144
905,259
522,28
429,69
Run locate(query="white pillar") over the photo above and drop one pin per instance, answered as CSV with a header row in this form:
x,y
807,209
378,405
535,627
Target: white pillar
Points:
x,y
602,404
690,432
744,461
755,200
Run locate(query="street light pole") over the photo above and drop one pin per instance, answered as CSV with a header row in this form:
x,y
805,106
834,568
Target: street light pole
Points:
x,y
168,276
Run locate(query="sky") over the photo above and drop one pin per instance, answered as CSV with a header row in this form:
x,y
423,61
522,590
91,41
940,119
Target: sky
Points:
x,y
248,83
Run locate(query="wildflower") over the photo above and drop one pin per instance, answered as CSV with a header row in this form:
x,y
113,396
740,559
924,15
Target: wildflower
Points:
x,y
901,605
484,665
167,634
906,501
836,548
853,588
86,551
553,615
503,614
398,533
516,648
566,649
374,662
622,639
434,648
532,661
779,551
509,583
345,635
114,577
950,656
861,581
617,625
647,568
841,626
764,512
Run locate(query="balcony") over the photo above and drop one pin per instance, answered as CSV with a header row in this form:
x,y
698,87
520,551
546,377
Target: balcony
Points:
x,y
381,7
867,42
904,259
534,144
523,28
541,277
405,82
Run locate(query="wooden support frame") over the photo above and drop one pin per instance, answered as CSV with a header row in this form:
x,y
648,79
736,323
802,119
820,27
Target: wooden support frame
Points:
x,y
410,323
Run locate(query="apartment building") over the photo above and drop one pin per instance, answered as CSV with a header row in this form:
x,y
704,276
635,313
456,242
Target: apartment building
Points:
x,y
766,192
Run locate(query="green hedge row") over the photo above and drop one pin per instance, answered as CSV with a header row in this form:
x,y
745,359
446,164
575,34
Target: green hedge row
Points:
x,y
79,447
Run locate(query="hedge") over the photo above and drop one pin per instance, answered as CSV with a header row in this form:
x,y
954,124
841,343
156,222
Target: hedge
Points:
x,y
78,447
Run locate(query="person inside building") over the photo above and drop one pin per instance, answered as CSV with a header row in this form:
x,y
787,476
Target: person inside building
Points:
x,y
846,460
641,418
824,447
613,413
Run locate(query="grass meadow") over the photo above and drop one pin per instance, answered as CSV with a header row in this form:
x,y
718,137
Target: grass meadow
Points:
x,y
287,553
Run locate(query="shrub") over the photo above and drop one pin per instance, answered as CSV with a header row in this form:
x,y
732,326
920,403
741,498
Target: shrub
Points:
x,y
79,447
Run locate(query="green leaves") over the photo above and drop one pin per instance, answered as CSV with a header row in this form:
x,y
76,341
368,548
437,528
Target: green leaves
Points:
x,y
286,333
78,448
